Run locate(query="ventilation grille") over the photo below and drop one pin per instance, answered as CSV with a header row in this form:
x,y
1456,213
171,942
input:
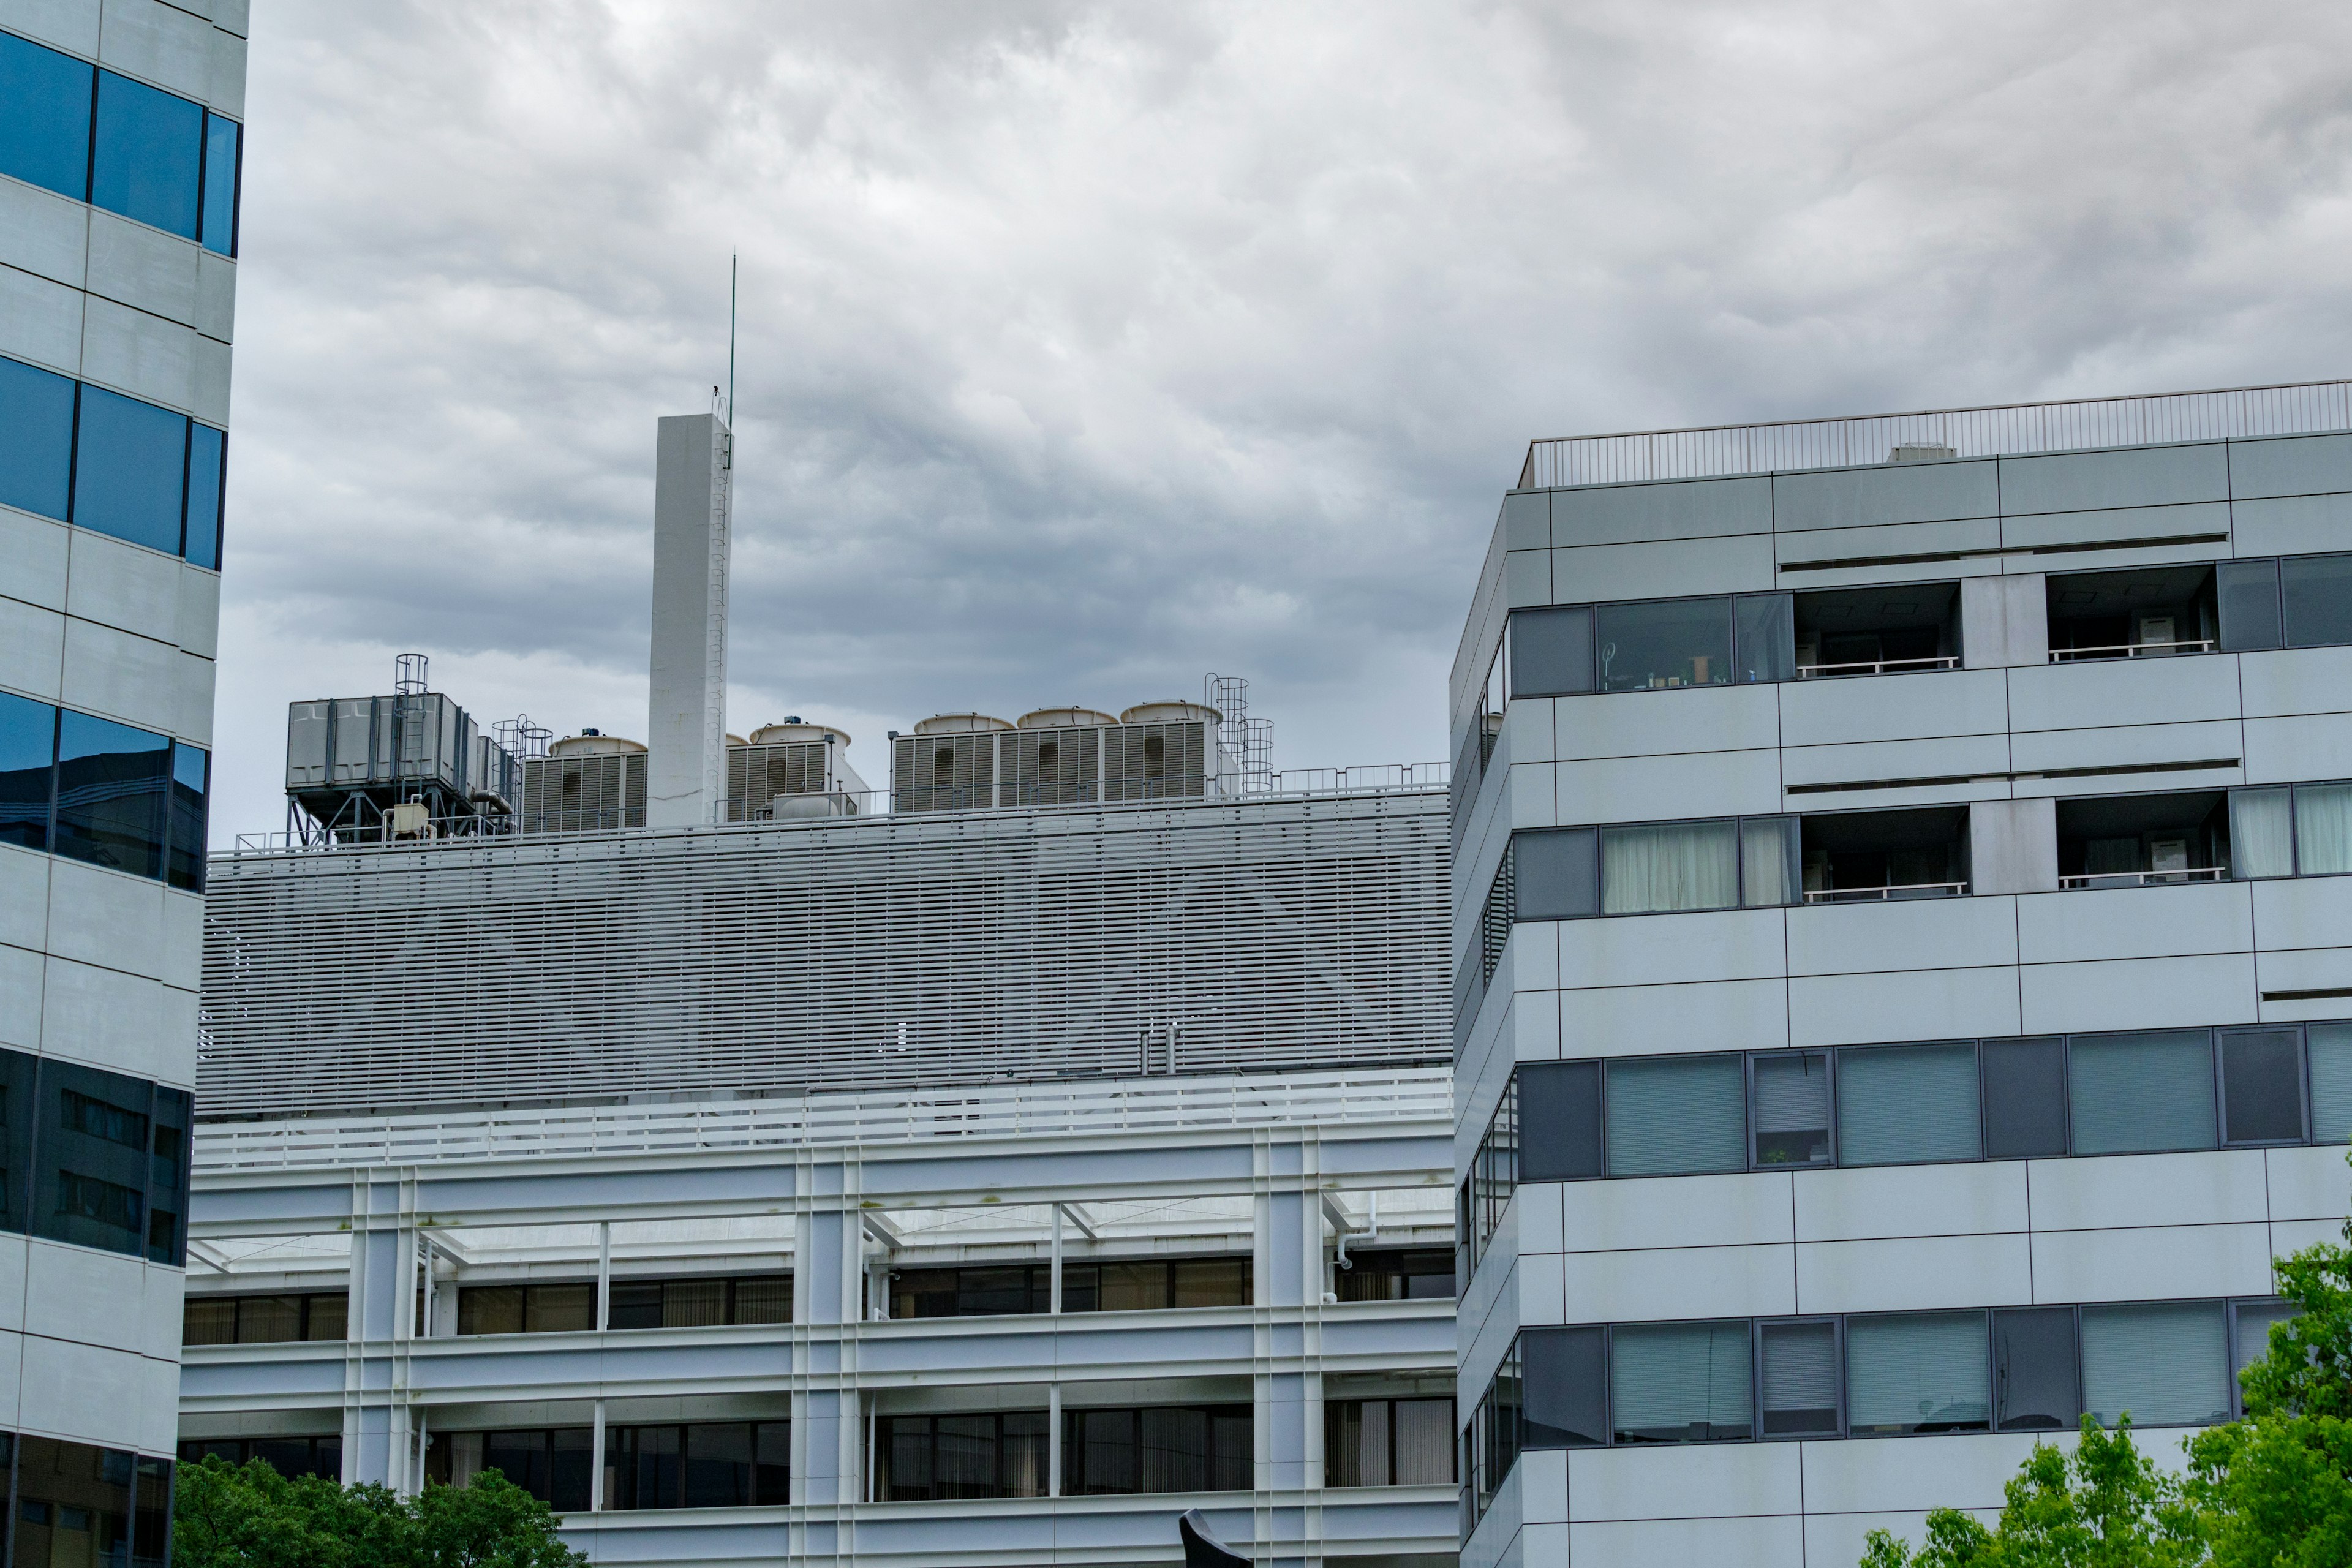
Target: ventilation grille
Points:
x,y
583,795
757,774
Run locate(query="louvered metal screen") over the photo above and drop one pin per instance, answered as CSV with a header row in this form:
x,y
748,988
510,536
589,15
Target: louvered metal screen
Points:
x,y
1048,767
852,953
943,773
1155,761
583,795
757,774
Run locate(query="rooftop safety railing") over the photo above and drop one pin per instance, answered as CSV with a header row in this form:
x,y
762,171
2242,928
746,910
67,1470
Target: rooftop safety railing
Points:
x,y
1059,1108
815,808
2013,429
2146,879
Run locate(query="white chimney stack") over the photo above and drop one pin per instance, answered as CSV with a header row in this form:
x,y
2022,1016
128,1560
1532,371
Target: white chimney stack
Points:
x,y
686,727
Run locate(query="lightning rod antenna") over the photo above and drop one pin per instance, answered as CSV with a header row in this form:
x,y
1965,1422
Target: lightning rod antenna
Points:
x,y
731,341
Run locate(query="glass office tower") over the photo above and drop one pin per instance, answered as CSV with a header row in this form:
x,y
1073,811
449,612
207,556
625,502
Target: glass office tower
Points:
x,y
1901,912
120,147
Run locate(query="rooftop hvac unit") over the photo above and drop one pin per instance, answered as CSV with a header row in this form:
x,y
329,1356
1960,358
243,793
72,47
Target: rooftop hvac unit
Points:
x,y
591,783
350,760
789,771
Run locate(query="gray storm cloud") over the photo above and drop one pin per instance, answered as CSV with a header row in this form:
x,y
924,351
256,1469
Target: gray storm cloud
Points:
x,y
1085,348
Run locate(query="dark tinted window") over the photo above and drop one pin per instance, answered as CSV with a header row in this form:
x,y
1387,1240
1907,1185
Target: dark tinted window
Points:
x,y
2249,604
93,1133
1664,643
167,1178
148,151
152,1515
2035,1384
1560,1121
191,777
207,451
1566,1387
73,1502
1767,632
1551,652
944,1458
2024,1098
2318,591
221,140
16,1101
127,479
28,745
1556,874
1799,1378
37,416
2262,1085
44,118
1790,1113
112,784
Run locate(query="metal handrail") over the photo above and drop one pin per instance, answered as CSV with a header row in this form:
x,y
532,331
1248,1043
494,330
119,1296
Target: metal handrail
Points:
x,y
2131,650
1883,895
1222,1101
2010,429
1879,665
1292,784
2146,879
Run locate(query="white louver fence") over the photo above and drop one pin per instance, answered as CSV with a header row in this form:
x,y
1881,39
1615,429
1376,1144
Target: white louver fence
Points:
x,y
857,953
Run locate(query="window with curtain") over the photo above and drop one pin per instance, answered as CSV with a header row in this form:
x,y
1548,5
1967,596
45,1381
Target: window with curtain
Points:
x,y
1669,867
1676,1116
2142,1093
1680,1383
2262,833
1791,1113
2323,829
1907,1105
1768,862
1800,1379
2330,1047
1920,1371
2165,1363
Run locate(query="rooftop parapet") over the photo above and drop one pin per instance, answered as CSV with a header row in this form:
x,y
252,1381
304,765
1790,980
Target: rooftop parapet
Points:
x,y
1994,430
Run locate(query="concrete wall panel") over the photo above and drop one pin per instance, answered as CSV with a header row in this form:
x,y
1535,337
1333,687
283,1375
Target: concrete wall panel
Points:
x,y
1891,492
43,233
1653,950
32,650
2151,1265
2194,918
2100,693
1846,939
1920,706
2141,475
1695,509
1902,1005
40,322
1682,1481
2122,1191
2290,465
1864,1203
1653,723
33,553
1593,573
1645,1020
1756,1281
1605,1217
2137,993
1912,1274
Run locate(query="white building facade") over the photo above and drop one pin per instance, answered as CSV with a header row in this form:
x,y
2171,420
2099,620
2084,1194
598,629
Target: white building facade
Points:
x,y
915,1190
119,169
1903,941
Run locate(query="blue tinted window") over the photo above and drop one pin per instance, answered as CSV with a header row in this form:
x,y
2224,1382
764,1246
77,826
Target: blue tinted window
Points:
x,y
43,117
149,154
36,412
28,738
191,770
221,138
112,784
207,448
128,473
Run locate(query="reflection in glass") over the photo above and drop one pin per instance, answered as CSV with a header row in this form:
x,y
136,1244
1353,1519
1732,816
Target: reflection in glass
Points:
x,y
2330,1045
44,118
37,416
1680,1383
28,746
1767,632
128,476
2317,591
1799,1378
2249,593
112,784
1921,1371
2165,1363
2262,1085
2033,1373
1551,652
1664,643
208,450
146,154
221,138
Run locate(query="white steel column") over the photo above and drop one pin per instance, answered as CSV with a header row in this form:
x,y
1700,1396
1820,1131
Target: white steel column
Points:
x,y
1054,1439
603,1275
596,1461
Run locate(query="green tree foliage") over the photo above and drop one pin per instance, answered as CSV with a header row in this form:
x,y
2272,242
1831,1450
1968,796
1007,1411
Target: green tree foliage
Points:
x,y
249,1516
2272,1490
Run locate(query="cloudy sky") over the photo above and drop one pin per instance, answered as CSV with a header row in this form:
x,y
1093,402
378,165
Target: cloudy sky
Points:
x,y
1085,348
